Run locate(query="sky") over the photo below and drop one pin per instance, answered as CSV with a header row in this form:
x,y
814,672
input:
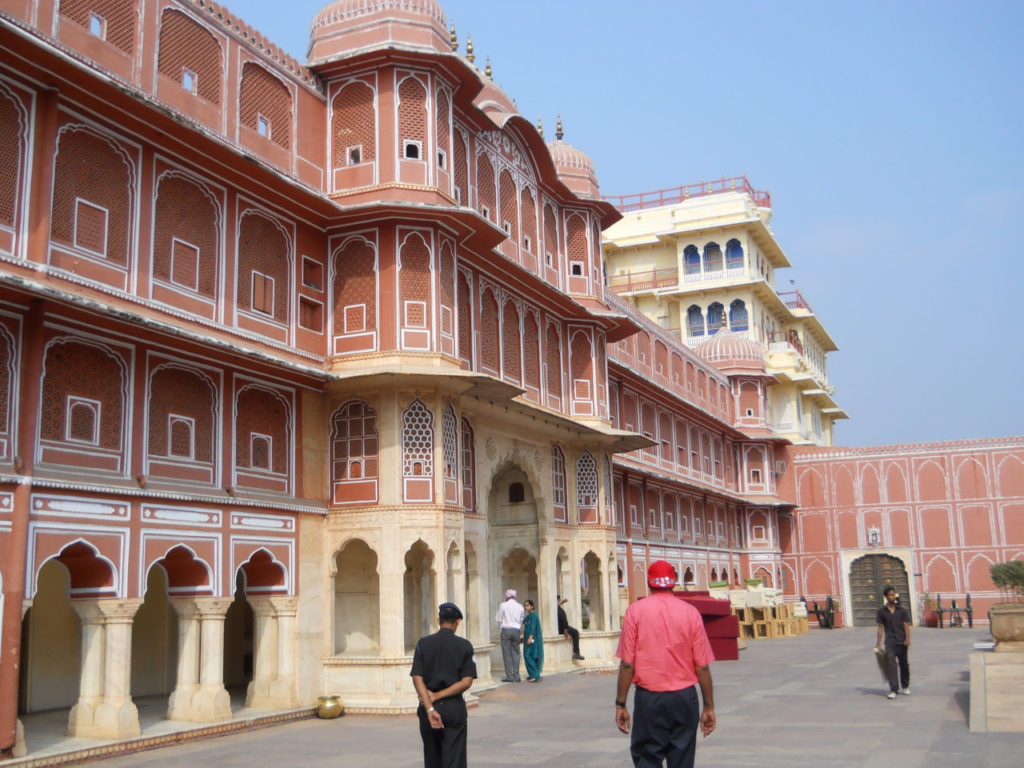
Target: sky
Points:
x,y
890,136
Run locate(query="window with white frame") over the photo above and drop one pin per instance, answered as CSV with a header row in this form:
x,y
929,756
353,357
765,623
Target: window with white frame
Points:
x,y
181,442
189,80
91,222
263,125
412,150
184,264
260,450
97,26
262,297
82,420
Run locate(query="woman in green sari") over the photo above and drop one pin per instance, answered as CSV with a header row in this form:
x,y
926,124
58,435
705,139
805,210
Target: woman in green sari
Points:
x,y
533,643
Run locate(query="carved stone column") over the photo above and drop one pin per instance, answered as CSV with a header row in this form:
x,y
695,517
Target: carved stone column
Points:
x,y
19,730
179,706
82,720
105,708
117,716
211,702
282,689
259,694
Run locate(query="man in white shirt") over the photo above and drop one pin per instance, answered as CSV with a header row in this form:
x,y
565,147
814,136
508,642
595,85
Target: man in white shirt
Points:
x,y
510,619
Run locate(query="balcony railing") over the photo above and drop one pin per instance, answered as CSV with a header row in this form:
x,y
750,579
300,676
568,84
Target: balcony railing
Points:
x,y
653,279
643,281
795,300
674,195
783,338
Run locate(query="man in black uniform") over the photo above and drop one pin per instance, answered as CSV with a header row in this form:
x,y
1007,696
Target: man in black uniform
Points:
x,y
571,632
894,622
443,668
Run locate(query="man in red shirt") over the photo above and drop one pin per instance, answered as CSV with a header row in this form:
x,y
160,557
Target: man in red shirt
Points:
x,y
664,649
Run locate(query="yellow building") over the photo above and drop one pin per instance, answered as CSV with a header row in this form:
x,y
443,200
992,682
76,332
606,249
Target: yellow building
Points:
x,y
702,258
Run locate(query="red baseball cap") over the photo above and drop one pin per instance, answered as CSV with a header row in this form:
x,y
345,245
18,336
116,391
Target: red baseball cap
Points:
x,y
661,575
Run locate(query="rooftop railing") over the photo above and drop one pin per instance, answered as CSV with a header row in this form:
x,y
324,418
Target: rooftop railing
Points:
x,y
795,300
674,195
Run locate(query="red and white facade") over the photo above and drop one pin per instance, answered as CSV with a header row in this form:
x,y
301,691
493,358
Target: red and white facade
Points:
x,y
291,354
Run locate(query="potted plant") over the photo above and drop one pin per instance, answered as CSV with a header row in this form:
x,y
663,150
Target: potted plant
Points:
x,y
929,616
1006,618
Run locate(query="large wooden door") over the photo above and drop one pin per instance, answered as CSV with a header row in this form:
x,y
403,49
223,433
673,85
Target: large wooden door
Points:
x,y
869,575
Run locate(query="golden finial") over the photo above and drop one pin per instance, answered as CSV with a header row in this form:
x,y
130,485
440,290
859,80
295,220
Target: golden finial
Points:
x,y
453,39
469,49
487,69
559,133
540,127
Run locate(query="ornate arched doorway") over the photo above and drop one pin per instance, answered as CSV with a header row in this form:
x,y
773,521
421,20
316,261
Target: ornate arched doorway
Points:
x,y
869,575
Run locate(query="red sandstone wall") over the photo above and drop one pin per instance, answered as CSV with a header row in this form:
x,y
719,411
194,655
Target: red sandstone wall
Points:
x,y
950,509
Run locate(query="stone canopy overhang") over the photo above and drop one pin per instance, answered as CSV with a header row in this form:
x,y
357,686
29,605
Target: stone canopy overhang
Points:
x,y
392,374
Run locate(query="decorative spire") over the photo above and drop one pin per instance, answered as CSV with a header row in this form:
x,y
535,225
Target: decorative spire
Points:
x,y
540,127
559,133
487,69
453,39
469,49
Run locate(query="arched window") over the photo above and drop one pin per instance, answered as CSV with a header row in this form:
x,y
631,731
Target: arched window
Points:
x,y
417,452
733,254
716,318
712,258
450,443
695,321
468,467
516,493
691,260
738,316
586,487
558,485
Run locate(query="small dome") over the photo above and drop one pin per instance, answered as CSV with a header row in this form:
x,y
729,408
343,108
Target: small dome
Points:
x,y
733,350
575,169
347,26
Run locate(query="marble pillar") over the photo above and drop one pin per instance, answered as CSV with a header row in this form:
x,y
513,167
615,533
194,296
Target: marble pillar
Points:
x,y
211,703
105,708
259,694
282,688
81,721
179,707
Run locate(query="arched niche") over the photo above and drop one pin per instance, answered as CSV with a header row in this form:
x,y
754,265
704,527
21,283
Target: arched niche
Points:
x,y
356,600
155,638
418,590
593,590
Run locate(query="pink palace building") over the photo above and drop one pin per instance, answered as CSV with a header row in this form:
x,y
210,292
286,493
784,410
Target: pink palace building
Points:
x,y
292,352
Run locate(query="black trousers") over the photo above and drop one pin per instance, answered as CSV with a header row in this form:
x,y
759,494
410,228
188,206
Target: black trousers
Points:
x,y
445,747
664,728
899,666
574,634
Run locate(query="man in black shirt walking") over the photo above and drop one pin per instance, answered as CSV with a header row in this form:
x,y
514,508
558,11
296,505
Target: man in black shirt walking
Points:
x,y
443,668
894,623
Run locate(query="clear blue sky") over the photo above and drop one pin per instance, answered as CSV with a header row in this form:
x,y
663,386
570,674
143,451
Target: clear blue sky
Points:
x,y
889,135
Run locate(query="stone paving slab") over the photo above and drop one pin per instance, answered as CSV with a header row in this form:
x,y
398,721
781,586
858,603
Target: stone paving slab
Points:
x,y
815,700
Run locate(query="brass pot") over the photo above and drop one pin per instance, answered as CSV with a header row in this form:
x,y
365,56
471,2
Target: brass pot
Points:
x,y
329,707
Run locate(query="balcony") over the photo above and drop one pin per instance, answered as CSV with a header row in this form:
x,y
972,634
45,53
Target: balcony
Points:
x,y
650,280
795,300
659,279
676,195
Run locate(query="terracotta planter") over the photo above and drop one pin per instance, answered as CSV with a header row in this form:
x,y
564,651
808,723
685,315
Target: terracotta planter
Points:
x,y
329,707
931,617
1006,621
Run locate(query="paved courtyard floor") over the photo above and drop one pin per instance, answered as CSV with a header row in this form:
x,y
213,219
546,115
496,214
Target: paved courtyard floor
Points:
x,y
814,700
